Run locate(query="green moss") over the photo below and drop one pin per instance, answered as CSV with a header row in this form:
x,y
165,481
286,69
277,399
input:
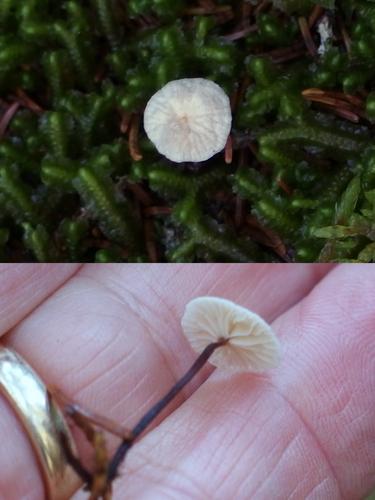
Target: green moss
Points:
x,y
71,191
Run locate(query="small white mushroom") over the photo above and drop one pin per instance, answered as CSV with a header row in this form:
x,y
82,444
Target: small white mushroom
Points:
x,y
188,119
251,346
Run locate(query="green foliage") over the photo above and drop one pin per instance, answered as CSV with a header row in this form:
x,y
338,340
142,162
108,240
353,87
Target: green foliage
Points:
x,y
66,170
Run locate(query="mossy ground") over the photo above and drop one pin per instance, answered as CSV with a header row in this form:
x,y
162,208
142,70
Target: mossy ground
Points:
x,y
79,181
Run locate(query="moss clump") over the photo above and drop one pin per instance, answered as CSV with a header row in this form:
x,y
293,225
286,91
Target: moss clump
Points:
x,y
79,181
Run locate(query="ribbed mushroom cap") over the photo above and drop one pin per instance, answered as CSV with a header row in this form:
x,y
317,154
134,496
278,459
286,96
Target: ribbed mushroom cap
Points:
x,y
188,119
252,345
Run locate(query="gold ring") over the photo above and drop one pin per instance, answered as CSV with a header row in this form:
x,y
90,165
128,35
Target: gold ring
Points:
x,y
42,420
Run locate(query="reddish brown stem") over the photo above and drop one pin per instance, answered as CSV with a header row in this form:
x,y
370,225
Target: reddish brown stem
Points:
x,y
228,152
155,410
134,150
152,211
306,34
7,117
237,35
204,11
315,14
296,50
150,240
80,416
263,5
239,212
125,121
140,193
28,103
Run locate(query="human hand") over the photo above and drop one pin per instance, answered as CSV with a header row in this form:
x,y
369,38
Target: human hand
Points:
x,y
110,338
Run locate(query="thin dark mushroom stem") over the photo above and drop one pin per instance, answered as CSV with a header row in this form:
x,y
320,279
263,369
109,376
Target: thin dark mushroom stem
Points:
x,y
151,415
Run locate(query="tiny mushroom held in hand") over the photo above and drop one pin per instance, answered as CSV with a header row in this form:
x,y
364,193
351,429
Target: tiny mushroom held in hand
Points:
x,y
223,333
250,344
188,120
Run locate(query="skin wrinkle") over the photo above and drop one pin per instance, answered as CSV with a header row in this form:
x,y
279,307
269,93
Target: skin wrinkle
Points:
x,y
140,469
313,277
172,321
163,437
252,409
133,311
366,415
226,413
343,401
253,470
223,278
104,286
314,273
221,282
32,292
68,294
208,279
346,314
135,411
172,312
161,347
260,482
231,441
12,286
99,376
320,485
69,374
162,352
257,490
133,414
148,326
160,468
32,272
301,485
364,336
243,422
96,356
184,493
313,434
222,483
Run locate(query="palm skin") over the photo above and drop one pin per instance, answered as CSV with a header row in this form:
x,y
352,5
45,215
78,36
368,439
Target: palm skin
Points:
x,y
109,337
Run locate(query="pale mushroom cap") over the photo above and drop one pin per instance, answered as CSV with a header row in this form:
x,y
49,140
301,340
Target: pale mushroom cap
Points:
x,y
188,119
252,345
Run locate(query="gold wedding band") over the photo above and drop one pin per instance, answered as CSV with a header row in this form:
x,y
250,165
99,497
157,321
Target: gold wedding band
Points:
x,y
42,420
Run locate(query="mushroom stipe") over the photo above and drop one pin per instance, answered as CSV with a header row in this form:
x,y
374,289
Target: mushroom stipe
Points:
x,y
83,419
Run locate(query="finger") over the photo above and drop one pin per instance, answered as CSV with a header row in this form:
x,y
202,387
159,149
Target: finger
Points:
x,y
111,337
305,431
24,286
